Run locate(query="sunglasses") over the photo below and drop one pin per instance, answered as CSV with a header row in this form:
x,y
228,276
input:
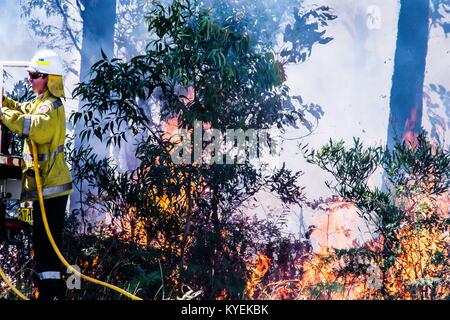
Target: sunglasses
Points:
x,y
36,75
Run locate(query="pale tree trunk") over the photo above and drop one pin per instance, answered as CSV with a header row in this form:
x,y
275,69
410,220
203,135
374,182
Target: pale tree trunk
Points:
x,y
99,19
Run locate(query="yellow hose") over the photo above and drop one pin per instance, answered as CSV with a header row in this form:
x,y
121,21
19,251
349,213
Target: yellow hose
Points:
x,y
13,288
52,241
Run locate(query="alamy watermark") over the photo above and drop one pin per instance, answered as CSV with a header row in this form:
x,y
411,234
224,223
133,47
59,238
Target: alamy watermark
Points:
x,y
229,146
73,281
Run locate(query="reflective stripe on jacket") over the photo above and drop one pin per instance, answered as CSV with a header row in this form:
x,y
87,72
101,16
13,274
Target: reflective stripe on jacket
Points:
x,y
44,122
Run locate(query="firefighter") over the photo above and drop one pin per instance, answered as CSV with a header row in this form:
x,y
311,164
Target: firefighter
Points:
x,y
43,121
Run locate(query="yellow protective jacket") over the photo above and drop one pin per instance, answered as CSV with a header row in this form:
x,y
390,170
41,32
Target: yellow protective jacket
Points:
x,y
44,122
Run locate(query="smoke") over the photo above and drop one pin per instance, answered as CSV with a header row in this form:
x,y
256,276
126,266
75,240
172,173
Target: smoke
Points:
x,y
16,42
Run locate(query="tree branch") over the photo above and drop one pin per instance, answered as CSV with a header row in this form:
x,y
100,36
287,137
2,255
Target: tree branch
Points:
x,y
66,25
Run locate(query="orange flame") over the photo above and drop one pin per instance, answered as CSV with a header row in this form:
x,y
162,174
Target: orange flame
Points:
x,y
414,274
410,133
260,267
223,295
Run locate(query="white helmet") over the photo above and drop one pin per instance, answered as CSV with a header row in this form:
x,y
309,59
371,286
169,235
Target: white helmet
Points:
x,y
46,61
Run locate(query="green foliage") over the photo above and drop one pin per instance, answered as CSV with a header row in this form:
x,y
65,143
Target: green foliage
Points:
x,y
105,256
262,20
265,21
407,212
306,32
418,167
234,83
323,291
197,69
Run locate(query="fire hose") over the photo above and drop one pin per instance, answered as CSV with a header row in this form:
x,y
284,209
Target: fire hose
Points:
x,y
52,241
44,216
55,247
13,288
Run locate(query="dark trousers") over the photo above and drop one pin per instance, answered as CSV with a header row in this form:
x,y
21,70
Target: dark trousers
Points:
x,y
48,265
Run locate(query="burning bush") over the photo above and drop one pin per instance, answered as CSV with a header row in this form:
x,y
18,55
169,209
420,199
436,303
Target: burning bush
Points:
x,y
407,257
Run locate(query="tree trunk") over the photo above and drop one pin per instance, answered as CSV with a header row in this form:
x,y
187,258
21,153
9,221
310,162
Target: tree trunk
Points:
x,y
409,71
99,19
